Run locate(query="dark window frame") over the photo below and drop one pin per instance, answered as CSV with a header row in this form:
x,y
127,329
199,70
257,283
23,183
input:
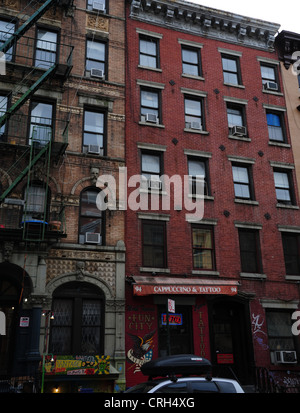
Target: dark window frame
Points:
x,y
43,101
144,108
154,40
256,251
291,188
250,184
212,249
162,247
288,256
276,75
88,59
157,154
13,48
82,216
238,73
50,30
84,131
199,118
237,107
77,293
281,117
197,65
205,161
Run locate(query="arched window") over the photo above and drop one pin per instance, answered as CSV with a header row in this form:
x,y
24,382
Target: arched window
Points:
x,y
91,220
78,324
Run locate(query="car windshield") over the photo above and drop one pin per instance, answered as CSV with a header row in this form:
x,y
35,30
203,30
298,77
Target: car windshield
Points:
x,y
142,387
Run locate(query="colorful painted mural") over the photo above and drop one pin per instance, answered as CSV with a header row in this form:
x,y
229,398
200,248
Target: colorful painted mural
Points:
x,y
76,365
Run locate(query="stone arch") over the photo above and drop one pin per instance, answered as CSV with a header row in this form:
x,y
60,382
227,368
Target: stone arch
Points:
x,y
79,276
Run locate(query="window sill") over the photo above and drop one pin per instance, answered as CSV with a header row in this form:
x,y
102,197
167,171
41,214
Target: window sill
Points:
x,y
253,275
233,85
154,69
192,77
205,197
281,144
205,272
279,205
200,132
155,270
154,125
295,278
152,191
239,138
271,92
246,202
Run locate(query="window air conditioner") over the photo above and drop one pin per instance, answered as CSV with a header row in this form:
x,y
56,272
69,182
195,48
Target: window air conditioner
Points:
x,y
151,118
239,131
154,184
196,125
271,86
92,238
286,357
97,5
95,149
97,73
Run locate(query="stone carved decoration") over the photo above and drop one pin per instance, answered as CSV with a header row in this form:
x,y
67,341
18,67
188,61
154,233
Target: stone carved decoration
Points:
x,y
215,24
94,174
97,23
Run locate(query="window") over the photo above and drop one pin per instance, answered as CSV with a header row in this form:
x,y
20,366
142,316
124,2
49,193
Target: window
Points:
x,y
36,205
41,122
235,116
250,251
46,47
197,168
291,250
275,127
96,5
191,61
154,244
203,248
193,114
93,132
280,336
150,106
6,30
283,186
95,58
242,181
91,220
231,70
77,327
149,52
269,74
151,169
3,109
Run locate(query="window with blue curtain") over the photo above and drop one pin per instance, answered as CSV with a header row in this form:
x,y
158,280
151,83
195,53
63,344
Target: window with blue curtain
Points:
x,y
275,127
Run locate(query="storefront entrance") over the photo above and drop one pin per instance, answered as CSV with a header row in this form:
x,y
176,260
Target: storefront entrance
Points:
x,y
230,338
180,331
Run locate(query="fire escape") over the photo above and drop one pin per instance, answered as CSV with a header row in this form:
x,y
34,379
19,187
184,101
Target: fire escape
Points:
x,y
31,141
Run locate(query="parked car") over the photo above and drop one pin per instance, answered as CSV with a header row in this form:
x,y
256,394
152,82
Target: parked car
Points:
x,y
184,373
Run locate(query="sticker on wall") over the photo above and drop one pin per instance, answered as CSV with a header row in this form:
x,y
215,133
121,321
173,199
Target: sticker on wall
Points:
x,y
141,351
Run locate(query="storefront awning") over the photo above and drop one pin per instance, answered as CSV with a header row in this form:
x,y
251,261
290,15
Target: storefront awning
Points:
x,y
188,286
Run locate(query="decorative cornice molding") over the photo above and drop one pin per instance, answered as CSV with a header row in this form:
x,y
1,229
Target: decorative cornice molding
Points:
x,y
206,22
287,43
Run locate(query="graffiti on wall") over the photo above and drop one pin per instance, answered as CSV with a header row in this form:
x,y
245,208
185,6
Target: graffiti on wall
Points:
x,y
257,330
76,365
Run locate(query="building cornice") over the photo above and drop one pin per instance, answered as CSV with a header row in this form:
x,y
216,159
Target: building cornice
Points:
x,y
287,43
206,22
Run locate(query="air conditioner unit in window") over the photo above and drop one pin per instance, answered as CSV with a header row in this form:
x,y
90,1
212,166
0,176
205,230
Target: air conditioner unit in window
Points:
x,y
150,117
239,131
271,86
93,238
196,125
285,357
154,184
97,73
97,5
95,149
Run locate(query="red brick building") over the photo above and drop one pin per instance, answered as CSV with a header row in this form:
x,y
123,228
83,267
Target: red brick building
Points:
x,y
205,97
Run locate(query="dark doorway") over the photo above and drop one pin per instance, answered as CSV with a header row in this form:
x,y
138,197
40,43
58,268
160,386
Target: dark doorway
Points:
x,y
230,337
180,331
